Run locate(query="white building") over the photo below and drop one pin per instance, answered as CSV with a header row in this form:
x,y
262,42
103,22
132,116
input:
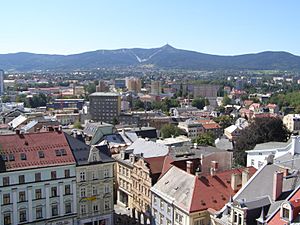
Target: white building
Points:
x,y
95,180
193,128
258,156
37,179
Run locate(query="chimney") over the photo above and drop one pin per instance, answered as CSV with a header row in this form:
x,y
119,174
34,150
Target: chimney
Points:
x,y
195,145
295,146
285,172
236,181
277,184
198,172
17,131
245,176
122,153
132,158
189,167
214,166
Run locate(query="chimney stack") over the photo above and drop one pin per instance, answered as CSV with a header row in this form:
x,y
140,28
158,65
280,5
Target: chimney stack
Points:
x,y
245,176
214,166
236,180
189,167
295,147
277,184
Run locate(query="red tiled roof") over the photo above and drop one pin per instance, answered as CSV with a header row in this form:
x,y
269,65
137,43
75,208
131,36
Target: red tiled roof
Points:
x,y
272,106
208,126
214,191
31,144
155,164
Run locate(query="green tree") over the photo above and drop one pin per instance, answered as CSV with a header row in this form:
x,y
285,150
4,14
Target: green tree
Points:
x,y
169,130
261,130
6,98
198,102
77,125
224,121
207,138
226,100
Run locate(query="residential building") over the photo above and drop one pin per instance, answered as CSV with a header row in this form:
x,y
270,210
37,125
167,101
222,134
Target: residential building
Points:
x,y
95,178
62,104
105,106
156,87
37,179
133,84
232,132
292,122
1,82
183,198
144,175
193,128
206,90
102,86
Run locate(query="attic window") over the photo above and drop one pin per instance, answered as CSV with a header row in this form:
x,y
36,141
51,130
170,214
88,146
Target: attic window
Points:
x,y
23,156
4,157
11,157
63,152
57,152
41,154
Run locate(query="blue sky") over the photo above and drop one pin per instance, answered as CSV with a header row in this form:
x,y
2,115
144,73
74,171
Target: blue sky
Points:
x,y
225,27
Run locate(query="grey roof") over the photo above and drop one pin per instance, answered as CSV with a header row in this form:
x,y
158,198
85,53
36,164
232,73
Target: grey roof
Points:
x,y
261,185
114,139
189,151
256,203
223,143
176,185
271,145
108,94
148,148
81,151
92,127
29,125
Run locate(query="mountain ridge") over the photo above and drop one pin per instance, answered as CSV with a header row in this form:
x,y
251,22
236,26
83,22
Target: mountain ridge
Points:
x,y
165,57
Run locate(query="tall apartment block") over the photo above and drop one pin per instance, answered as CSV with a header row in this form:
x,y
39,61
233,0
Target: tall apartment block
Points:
x,y
155,87
1,82
105,106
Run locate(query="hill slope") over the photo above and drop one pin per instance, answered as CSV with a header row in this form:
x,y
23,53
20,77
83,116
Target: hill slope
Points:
x,y
163,57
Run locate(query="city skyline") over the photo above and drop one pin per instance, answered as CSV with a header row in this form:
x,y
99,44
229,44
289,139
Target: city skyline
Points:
x,y
221,28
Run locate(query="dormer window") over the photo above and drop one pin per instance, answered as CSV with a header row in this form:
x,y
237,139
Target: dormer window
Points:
x,y
286,212
94,157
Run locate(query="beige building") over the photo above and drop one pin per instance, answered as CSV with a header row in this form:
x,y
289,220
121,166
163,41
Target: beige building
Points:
x,y
145,174
292,122
134,84
94,178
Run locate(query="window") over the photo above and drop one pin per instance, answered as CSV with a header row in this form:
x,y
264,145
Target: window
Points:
x,y
54,192
38,193
67,173
39,212
95,208
23,156
178,218
199,222
7,219
68,207
22,215
235,217
161,205
94,190
161,219
285,213
82,192
41,154
67,189
11,157
94,176
168,222
6,199
83,209
155,199
169,209
21,179
106,188
106,205
106,173
54,210
53,175
22,196
82,176
38,177
252,162
5,181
